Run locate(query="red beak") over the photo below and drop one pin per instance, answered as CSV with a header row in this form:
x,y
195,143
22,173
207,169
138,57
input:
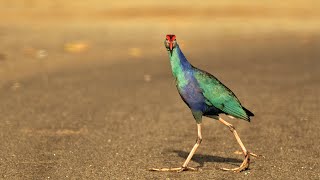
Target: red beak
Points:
x,y
170,45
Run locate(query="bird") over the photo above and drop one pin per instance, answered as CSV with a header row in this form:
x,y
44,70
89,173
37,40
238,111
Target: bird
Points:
x,y
205,96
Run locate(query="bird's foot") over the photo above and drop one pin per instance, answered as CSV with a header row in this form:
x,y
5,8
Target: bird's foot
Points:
x,y
257,155
244,165
179,169
252,154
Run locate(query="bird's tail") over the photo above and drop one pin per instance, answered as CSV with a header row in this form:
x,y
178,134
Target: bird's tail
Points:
x,y
249,113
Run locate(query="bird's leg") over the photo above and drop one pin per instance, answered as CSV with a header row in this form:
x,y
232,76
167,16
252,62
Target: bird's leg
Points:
x,y
195,147
184,167
246,161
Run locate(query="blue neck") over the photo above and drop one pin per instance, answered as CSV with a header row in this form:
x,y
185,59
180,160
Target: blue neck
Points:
x,y
181,68
178,58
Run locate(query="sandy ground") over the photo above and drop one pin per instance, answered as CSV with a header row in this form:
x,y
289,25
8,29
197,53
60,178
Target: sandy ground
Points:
x,y
116,120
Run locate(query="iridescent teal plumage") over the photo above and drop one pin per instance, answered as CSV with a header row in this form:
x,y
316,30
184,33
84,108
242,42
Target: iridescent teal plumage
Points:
x,y
202,92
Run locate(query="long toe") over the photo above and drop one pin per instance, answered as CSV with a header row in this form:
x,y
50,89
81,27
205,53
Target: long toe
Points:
x,y
179,169
164,169
242,167
251,154
238,169
187,169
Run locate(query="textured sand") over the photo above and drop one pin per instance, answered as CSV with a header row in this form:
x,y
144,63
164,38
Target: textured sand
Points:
x,y
116,120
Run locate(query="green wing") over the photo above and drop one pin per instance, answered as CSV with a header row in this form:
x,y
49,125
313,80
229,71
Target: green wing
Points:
x,y
219,96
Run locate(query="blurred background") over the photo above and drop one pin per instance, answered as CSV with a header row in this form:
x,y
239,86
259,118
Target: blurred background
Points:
x,y
86,90
69,33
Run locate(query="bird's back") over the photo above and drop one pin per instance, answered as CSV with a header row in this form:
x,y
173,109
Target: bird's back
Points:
x,y
219,96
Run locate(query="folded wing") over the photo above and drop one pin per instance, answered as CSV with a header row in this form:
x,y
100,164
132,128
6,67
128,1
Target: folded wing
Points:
x,y
219,96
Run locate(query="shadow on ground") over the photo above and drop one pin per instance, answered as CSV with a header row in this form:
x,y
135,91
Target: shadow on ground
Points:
x,y
202,159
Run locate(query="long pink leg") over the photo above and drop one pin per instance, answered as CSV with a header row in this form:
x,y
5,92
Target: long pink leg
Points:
x,y
186,162
246,161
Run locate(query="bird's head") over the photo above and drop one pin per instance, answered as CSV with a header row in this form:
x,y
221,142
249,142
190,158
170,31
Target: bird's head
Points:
x,y
170,42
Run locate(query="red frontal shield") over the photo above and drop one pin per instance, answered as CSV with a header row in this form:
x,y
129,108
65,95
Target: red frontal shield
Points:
x,y
171,38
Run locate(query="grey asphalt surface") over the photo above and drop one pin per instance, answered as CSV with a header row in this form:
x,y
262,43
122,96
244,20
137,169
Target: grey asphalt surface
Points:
x,y
116,121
